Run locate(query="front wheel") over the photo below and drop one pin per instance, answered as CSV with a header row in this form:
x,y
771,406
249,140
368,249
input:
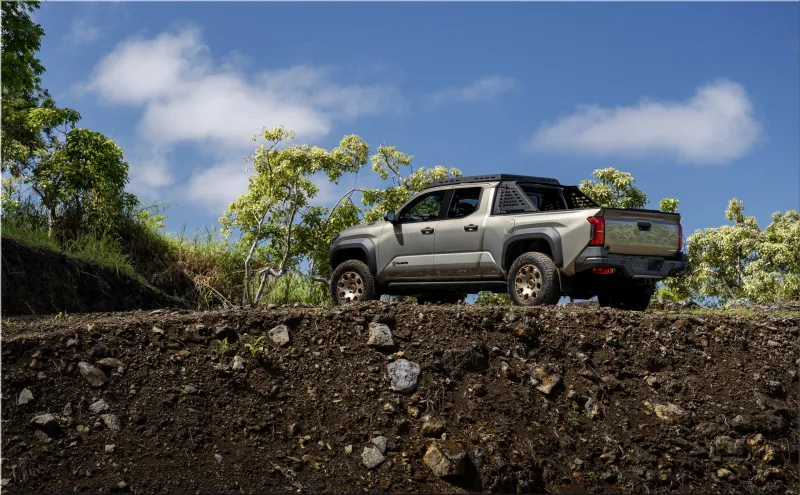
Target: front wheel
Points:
x,y
631,299
352,282
533,280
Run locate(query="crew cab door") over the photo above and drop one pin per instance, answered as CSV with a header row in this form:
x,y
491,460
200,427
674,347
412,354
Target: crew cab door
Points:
x,y
459,236
406,246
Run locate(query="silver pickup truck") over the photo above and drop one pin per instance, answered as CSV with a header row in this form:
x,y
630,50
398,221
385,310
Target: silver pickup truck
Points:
x,y
531,237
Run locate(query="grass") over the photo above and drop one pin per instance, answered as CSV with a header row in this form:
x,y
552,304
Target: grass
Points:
x,y
99,249
743,313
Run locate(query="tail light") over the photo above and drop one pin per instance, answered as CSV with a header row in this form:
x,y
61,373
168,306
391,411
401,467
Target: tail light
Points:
x,y
603,271
680,236
598,233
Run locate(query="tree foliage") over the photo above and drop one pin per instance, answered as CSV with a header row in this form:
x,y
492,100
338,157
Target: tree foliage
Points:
x,y
275,217
741,262
81,181
616,189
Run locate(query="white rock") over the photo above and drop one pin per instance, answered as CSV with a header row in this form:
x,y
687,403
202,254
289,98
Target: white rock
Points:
x,y
24,397
404,375
380,337
381,443
372,457
98,407
280,335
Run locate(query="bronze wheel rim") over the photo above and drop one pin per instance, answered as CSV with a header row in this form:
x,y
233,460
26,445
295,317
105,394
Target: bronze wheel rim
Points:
x,y
350,287
528,283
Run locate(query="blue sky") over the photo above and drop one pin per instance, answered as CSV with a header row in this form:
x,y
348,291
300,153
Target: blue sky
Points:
x,y
699,101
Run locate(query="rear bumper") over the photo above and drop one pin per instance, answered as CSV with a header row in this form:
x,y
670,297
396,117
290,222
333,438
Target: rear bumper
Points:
x,y
634,267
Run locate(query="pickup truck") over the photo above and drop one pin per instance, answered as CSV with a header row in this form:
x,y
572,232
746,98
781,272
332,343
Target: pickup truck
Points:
x,y
530,237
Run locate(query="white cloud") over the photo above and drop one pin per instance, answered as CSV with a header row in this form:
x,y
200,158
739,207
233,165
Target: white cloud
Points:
x,y
82,31
187,97
486,88
149,172
715,126
217,187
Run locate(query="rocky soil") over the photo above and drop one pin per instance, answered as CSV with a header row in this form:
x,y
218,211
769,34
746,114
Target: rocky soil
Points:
x,y
388,397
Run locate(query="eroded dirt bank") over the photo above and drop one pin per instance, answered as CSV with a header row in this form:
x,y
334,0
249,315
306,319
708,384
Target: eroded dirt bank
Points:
x,y
37,281
566,399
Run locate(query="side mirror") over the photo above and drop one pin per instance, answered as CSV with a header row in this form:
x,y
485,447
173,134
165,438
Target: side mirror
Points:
x,y
389,216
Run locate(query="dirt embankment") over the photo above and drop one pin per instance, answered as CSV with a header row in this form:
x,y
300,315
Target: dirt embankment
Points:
x,y
564,399
40,281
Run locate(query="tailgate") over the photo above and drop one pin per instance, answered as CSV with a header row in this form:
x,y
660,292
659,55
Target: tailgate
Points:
x,y
641,232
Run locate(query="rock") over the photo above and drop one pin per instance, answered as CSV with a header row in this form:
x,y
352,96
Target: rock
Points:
x,y
24,397
380,442
112,422
99,351
730,446
98,407
238,363
67,410
72,343
608,457
110,363
5,482
442,465
226,332
652,381
768,423
672,414
506,371
348,449
218,458
280,335
404,375
592,408
48,423
544,381
432,427
122,486
723,474
772,343
372,457
158,331
110,448
94,376
42,436
191,389
380,337
35,365
474,358
83,431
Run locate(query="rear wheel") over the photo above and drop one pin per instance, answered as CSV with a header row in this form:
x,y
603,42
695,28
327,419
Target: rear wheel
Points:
x,y
533,280
352,282
635,298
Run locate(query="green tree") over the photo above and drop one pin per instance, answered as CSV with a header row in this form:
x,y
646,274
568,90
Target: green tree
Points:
x,y
275,217
81,179
741,262
616,189
29,116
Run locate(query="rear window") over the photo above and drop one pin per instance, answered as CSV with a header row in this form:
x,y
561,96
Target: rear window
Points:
x,y
545,198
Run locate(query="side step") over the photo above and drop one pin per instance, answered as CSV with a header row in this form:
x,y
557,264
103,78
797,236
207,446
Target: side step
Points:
x,y
446,286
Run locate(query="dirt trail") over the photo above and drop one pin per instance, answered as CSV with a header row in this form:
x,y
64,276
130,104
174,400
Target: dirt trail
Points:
x,y
564,399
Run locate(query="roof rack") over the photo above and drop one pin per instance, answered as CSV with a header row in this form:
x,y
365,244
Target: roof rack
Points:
x,y
493,178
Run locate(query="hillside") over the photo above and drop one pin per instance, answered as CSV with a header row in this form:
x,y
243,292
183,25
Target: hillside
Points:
x,y
561,399
39,281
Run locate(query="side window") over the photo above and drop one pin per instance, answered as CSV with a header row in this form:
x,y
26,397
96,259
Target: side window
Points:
x,y
545,198
423,208
464,203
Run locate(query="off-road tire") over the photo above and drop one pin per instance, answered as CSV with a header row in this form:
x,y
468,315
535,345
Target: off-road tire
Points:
x,y
631,299
440,299
367,282
549,287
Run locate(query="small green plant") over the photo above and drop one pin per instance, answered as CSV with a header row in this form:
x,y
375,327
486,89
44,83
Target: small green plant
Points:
x,y
255,347
223,347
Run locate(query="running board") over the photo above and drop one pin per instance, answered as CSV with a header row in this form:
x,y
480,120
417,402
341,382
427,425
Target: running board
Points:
x,y
447,286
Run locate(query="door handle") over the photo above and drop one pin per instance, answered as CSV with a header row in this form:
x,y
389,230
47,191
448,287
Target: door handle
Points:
x,y
426,231
471,227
